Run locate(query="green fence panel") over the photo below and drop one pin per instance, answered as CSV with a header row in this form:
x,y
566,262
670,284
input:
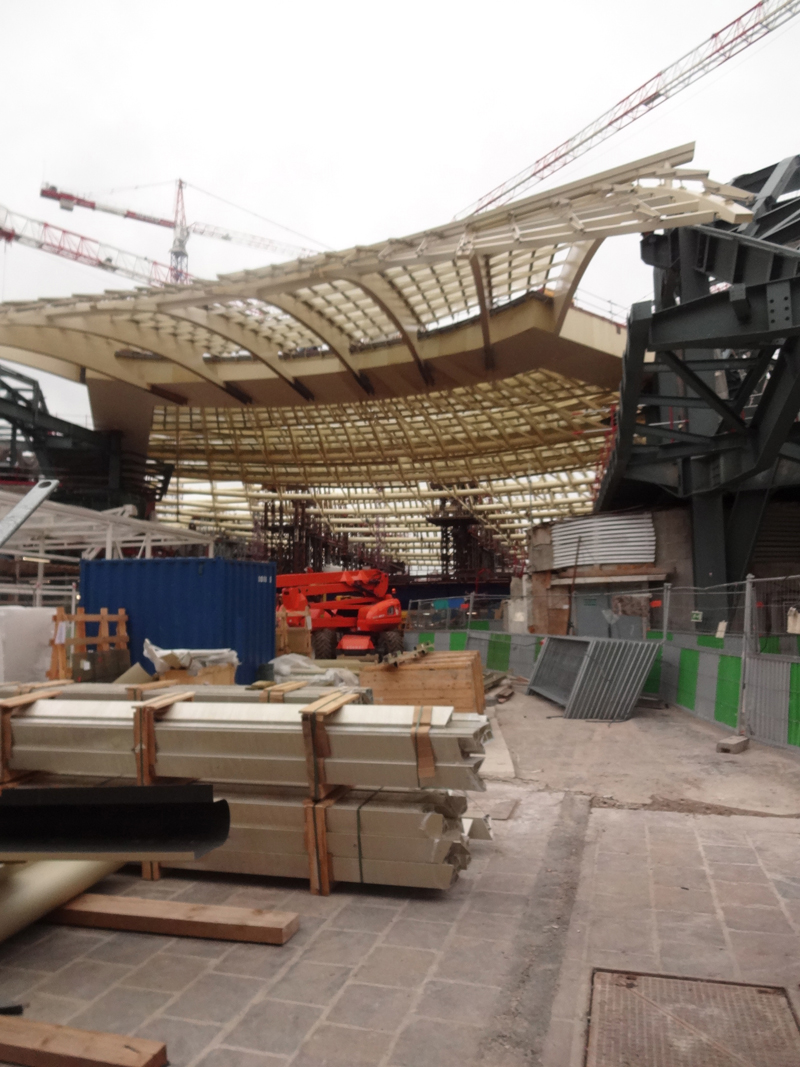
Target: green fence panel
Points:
x,y
726,706
772,644
793,735
499,652
653,681
479,624
426,639
458,641
708,641
687,678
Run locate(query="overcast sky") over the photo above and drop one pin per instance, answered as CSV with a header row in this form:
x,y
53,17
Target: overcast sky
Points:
x,y
348,122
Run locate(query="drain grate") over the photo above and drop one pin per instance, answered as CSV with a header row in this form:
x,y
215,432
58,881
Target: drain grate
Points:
x,y
640,1020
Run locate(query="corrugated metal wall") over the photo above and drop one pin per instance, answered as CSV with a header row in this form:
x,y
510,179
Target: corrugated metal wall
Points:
x,y
624,538
189,603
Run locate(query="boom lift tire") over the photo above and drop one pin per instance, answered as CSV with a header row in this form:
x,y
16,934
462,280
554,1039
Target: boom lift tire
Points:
x,y
324,644
389,642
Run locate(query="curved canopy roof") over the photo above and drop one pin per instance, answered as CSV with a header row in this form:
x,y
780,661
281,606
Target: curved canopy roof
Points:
x,y
450,361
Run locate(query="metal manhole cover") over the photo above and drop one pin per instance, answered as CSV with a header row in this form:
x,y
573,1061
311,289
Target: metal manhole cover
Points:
x,y
640,1020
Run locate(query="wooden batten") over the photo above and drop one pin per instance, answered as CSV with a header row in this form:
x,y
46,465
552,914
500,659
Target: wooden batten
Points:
x,y
174,918
34,1044
454,678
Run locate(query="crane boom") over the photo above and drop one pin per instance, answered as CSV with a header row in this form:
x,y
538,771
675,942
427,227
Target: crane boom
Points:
x,y
755,23
41,235
69,201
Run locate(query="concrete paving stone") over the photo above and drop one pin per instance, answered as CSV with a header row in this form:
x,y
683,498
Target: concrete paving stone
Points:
x,y
203,948
15,981
468,960
358,916
737,872
184,1040
437,909
31,935
497,903
746,893
458,1002
636,890
627,961
620,863
84,979
716,963
755,951
395,966
672,898
764,920
62,945
215,998
691,877
231,1057
372,1007
47,1009
415,934
432,1043
730,854
311,983
256,896
670,929
167,973
558,1045
114,884
119,1011
129,948
486,927
211,892
676,857
341,1046
257,961
632,936
492,882
303,902
618,907
787,889
309,928
346,947
525,865
273,1026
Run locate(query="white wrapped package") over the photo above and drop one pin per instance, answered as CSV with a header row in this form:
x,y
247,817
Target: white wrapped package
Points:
x,y
191,659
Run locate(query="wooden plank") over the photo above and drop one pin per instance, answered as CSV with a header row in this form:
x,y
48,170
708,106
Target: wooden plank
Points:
x,y
454,678
178,919
24,699
172,697
35,1044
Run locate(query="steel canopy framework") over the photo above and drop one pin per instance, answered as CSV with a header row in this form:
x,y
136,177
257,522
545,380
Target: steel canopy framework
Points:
x,y
451,360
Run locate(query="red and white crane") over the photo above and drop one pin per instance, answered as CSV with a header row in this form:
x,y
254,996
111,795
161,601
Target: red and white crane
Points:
x,y
755,23
179,260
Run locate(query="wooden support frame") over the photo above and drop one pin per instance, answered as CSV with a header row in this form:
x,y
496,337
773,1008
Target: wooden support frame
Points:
x,y
60,662
7,708
144,750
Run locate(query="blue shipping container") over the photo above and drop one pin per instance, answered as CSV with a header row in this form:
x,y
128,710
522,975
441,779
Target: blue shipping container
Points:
x,y
189,602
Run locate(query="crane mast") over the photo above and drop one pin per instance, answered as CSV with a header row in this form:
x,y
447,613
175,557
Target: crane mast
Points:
x,y
755,23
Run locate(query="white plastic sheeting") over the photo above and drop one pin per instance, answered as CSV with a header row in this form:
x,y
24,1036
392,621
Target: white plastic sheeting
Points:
x,y
624,538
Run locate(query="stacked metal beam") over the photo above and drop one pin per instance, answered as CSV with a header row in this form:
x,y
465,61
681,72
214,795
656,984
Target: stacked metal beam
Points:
x,y
394,820
384,838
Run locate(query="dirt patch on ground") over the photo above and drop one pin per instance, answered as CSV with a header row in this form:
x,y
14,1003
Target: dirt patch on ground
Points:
x,y
685,807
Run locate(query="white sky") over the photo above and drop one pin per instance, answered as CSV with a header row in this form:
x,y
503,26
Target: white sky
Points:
x,y
350,121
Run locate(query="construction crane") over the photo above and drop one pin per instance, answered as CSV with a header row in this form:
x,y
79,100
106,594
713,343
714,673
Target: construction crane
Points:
x,y
32,233
179,260
755,23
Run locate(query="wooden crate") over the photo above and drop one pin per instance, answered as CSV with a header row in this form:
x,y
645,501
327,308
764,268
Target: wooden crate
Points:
x,y
218,674
439,678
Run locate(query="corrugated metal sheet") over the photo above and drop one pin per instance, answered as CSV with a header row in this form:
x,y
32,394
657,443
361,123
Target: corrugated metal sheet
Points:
x,y
767,698
599,678
625,538
189,603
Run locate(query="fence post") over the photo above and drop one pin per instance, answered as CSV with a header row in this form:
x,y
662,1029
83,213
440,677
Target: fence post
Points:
x,y
749,648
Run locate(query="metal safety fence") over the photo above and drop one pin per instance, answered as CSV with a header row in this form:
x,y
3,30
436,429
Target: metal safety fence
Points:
x,y
729,654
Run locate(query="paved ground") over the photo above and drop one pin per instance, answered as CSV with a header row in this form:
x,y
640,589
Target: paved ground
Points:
x,y
497,971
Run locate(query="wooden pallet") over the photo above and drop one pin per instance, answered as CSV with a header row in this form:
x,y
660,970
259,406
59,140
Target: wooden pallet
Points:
x,y
34,1044
174,918
438,678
